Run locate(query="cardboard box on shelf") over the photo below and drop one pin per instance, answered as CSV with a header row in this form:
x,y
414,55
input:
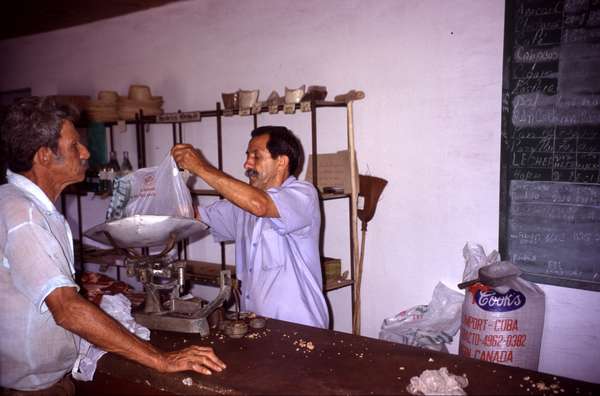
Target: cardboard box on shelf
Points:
x,y
333,172
332,268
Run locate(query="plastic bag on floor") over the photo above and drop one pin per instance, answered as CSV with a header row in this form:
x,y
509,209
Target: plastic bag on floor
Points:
x,y
158,190
119,307
428,326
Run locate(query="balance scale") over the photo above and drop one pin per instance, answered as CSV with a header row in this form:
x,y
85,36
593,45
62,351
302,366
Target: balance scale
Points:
x,y
162,275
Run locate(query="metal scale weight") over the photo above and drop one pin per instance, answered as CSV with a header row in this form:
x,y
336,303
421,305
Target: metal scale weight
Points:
x,y
162,275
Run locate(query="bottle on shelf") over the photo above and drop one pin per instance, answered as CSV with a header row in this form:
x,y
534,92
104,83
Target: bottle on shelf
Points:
x,y
112,170
103,187
126,166
113,162
92,179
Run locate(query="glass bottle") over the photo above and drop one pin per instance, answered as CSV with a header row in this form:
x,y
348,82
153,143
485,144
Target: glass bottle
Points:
x,y
112,170
113,162
126,166
103,176
92,179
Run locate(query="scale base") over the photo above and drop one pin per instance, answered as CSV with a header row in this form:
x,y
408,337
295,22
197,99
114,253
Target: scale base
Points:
x,y
173,322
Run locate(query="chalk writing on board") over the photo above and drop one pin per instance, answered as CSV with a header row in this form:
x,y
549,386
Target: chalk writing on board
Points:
x,y
554,228
550,208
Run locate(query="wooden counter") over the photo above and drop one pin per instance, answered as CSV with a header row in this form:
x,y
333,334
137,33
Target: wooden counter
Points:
x,y
278,360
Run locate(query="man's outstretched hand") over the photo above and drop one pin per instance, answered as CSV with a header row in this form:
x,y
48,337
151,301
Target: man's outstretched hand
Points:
x,y
194,358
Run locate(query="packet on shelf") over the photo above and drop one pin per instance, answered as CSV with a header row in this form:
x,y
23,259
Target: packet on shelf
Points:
x,y
294,95
247,99
230,100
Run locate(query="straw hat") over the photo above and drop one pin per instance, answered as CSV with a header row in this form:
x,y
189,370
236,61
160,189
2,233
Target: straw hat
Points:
x,y
108,96
139,93
139,98
105,108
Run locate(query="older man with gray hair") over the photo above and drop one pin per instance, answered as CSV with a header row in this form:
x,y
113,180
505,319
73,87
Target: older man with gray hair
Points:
x,y
42,316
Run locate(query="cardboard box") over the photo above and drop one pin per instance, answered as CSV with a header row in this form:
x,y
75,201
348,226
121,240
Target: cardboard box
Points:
x,y
333,172
332,268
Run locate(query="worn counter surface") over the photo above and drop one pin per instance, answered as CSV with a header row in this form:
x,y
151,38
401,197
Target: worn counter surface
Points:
x,y
279,360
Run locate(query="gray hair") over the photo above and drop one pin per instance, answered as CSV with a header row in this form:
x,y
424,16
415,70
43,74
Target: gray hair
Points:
x,y
30,124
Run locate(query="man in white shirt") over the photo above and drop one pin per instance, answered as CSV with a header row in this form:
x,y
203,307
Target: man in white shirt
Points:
x,y
41,315
275,222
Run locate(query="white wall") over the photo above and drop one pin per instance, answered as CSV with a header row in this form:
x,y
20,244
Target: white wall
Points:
x,y
430,124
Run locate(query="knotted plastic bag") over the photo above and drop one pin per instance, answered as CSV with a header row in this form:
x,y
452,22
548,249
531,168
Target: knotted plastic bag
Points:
x,y
159,190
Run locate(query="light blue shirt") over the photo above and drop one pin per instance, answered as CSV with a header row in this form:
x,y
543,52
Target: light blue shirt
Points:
x,y
36,257
277,259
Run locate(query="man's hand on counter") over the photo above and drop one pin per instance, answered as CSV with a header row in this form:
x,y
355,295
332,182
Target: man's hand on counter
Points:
x,y
195,358
79,316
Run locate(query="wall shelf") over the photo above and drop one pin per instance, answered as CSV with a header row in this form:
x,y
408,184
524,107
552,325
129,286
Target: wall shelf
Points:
x,y
204,272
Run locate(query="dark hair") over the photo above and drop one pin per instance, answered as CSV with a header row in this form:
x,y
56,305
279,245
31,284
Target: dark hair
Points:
x,y
282,141
29,124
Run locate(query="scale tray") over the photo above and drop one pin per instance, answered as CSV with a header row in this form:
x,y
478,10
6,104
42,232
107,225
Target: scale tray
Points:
x,y
140,231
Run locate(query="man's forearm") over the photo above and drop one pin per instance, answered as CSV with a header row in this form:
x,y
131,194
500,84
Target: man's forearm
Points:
x,y
88,321
237,192
243,195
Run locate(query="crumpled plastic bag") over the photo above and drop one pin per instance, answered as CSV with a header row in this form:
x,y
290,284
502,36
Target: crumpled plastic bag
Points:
x,y
428,326
437,382
159,190
119,307
476,258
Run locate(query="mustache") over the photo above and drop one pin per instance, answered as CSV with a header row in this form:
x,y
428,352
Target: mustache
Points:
x,y
250,173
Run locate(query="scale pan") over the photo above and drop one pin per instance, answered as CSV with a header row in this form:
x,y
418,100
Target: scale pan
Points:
x,y
146,230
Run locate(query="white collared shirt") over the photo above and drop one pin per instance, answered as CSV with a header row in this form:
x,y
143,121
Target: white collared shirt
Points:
x,y
36,257
277,259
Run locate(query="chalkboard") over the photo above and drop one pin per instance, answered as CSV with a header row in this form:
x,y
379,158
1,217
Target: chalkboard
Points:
x,y
550,163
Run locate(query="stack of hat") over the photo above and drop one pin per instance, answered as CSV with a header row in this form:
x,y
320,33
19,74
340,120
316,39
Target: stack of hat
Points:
x,y
139,98
105,108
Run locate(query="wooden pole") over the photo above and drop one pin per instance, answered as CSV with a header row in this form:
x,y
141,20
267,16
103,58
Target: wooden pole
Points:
x,y
353,221
349,98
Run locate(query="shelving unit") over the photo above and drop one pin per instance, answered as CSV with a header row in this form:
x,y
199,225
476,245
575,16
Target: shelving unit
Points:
x,y
204,272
